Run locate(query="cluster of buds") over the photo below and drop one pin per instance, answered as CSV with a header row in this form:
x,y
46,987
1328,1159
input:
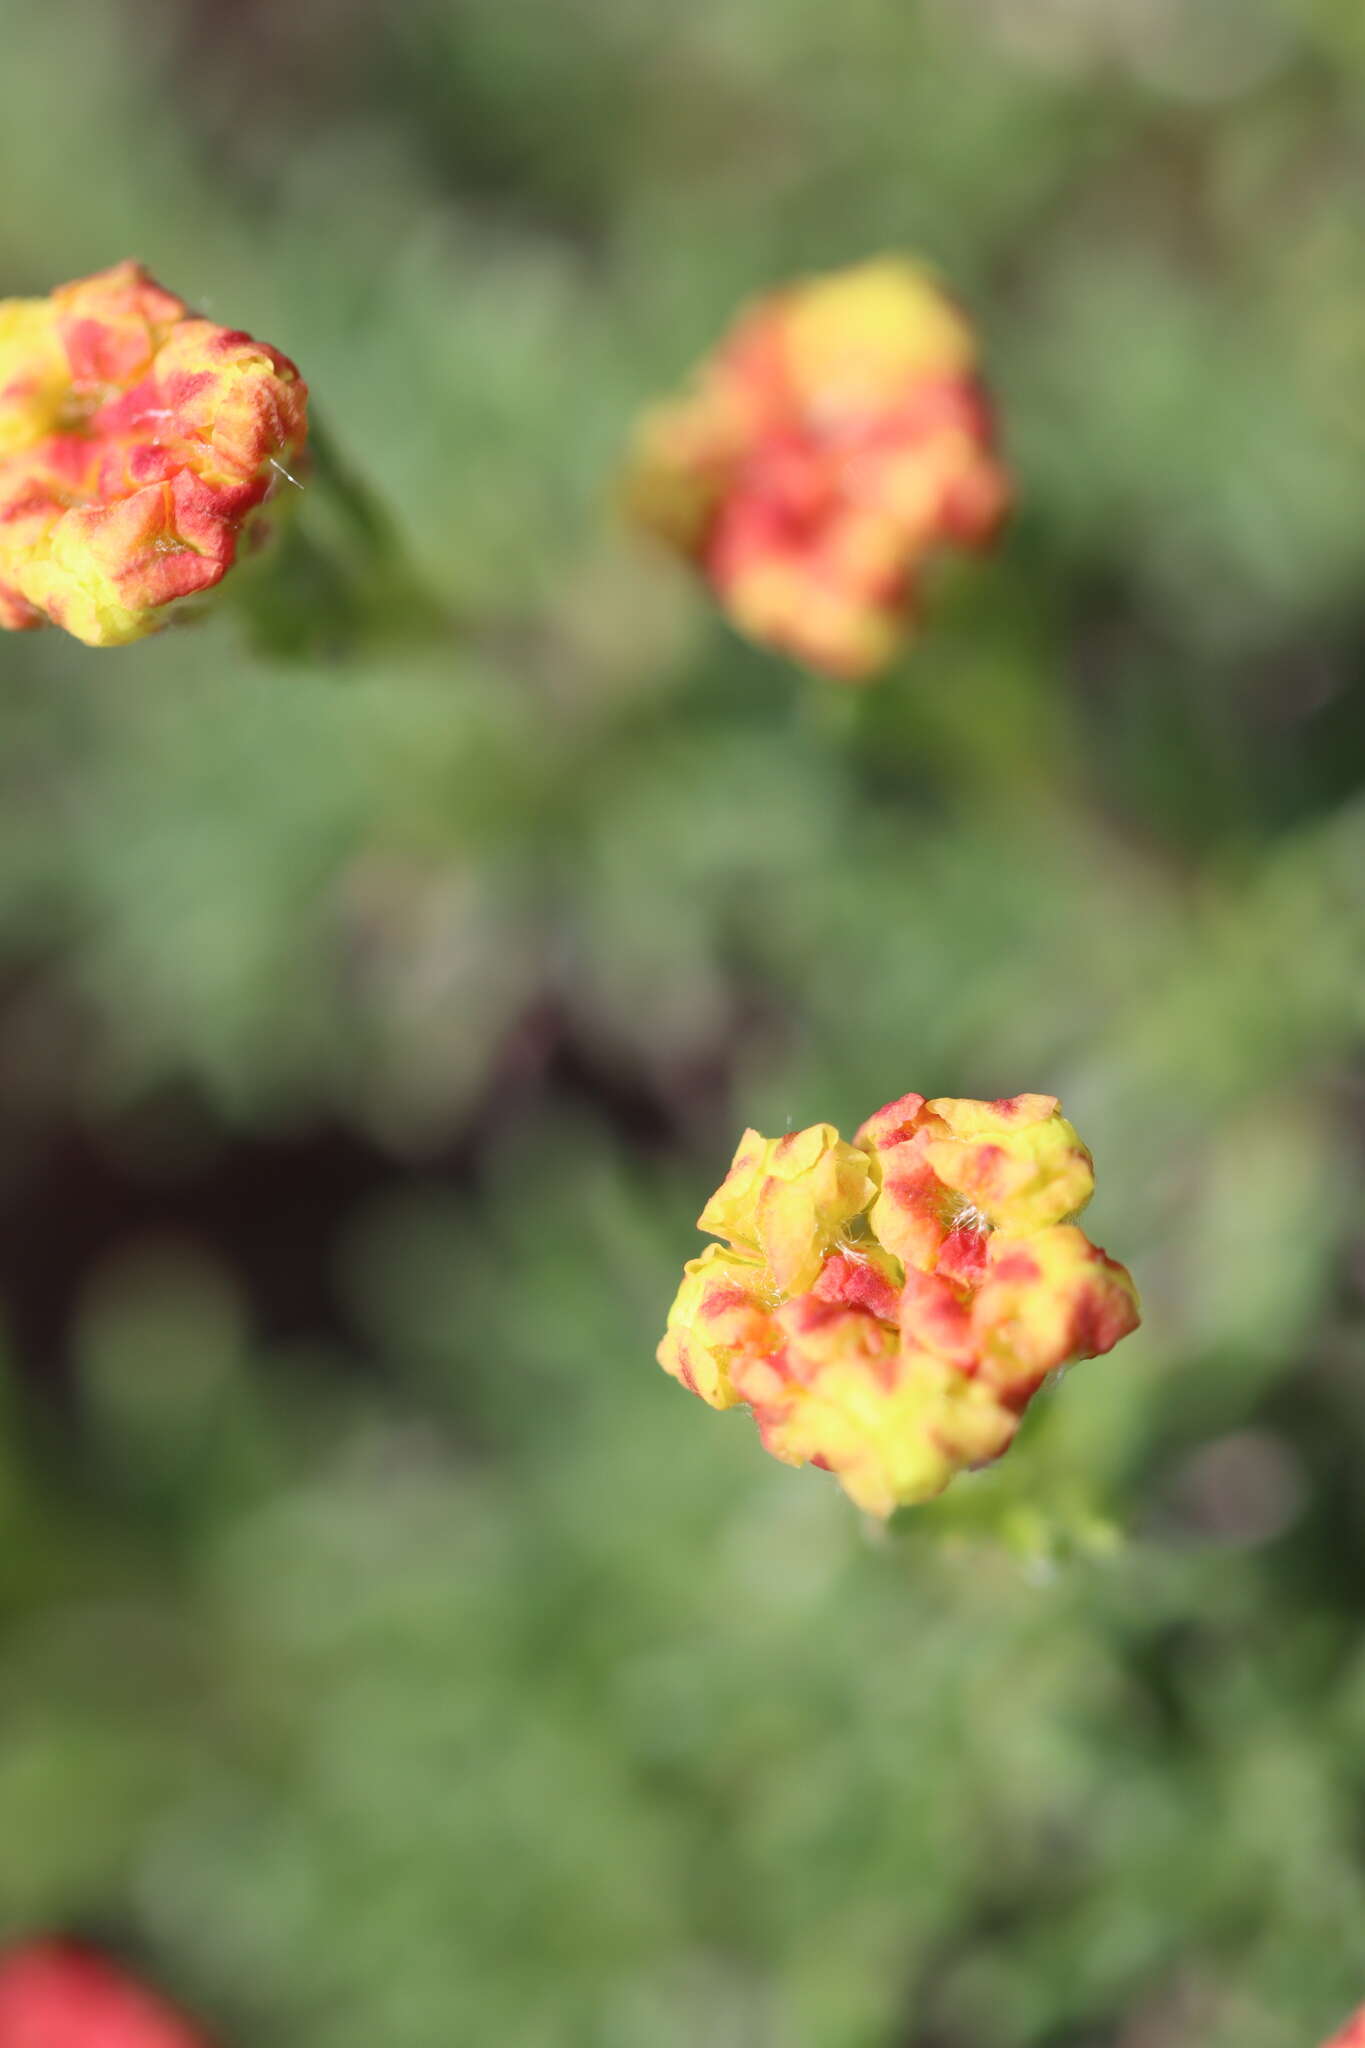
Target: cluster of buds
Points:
x,y
837,438
59,1994
888,1309
136,442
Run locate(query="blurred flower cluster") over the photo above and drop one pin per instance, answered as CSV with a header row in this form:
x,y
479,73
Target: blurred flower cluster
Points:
x,y
889,1308
838,437
135,442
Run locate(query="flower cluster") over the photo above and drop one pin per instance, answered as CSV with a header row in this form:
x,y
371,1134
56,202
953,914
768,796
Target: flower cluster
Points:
x,y
135,442
839,435
58,1994
888,1308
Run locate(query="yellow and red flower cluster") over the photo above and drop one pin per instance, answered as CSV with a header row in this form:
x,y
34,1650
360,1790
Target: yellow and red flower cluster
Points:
x,y
135,442
60,1994
839,436
888,1308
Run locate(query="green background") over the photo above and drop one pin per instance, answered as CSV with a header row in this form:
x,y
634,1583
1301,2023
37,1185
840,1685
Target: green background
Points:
x,y
390,1656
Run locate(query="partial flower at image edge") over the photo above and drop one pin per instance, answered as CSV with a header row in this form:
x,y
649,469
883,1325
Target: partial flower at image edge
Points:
x,y
140,447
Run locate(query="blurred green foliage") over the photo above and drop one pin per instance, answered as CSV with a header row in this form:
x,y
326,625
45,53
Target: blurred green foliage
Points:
x,y
419,1665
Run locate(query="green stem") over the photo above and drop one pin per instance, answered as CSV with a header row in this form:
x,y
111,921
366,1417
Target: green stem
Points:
x,y
336,578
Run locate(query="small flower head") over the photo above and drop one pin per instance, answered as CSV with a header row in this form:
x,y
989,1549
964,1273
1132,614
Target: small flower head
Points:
x,y
888,1310
59,1994
838,437
136,442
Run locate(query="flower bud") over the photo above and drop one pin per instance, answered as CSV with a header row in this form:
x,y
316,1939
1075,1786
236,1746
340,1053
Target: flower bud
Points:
x,y
914,1211
952,1166
788,1199
862,1275
1048,1298
721,1312
1017,1162
834,1397
894,1424
837,438
137,443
